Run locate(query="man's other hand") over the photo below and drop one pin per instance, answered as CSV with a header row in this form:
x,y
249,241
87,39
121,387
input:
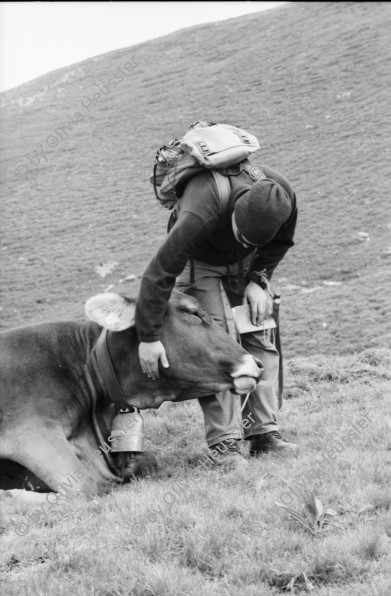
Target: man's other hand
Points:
x,y
260,301
150,353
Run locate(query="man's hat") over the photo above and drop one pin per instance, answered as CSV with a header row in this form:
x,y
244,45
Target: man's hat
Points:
x,y
260,212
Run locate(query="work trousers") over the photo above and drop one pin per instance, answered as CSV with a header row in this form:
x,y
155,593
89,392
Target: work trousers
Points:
x,y
222,416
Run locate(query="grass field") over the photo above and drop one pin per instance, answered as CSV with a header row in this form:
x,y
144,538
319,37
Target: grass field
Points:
x,y
312,81
193,529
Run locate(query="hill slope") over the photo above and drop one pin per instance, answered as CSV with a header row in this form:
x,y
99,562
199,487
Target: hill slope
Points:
x,y
311,80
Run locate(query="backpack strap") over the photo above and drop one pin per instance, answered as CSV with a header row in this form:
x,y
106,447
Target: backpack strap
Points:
x,y
253,171
223,187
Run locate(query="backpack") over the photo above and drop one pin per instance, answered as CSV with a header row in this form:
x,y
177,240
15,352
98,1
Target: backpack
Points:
x,y
211,146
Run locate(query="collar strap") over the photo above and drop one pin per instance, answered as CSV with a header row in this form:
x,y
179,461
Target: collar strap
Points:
x,y
105,367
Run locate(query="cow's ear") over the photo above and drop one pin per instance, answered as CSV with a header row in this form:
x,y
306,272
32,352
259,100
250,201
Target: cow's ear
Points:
x,y
112,311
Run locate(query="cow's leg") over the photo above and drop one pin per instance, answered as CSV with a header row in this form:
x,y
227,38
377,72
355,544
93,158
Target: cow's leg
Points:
x,y
15,476
49,455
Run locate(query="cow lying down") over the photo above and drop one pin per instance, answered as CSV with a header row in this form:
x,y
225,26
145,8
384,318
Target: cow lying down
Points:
x,y
63,382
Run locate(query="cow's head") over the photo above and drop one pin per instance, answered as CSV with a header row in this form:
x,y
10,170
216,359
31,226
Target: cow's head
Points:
x,y
203,358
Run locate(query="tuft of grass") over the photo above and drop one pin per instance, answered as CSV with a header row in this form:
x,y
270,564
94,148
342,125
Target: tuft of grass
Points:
x,y
374,546
316,517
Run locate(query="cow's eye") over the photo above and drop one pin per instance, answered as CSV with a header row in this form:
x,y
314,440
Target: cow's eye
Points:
x,y
201,316
196,314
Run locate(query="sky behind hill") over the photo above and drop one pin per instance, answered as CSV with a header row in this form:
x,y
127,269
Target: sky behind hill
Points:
x,y
38,37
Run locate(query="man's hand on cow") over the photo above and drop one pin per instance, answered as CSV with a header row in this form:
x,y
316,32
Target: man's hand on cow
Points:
x,y
150,353
260,301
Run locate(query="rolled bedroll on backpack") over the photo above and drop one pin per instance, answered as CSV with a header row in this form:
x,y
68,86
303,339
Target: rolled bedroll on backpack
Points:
x,y
219,146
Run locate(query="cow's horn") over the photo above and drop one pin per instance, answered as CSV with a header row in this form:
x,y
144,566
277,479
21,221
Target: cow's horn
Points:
x,y
112,311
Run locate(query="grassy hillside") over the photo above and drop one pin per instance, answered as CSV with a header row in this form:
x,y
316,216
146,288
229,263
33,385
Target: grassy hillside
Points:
x,y
311,80
77,145
194,530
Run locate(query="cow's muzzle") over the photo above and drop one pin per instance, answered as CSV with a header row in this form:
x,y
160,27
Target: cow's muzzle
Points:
x,y
247,375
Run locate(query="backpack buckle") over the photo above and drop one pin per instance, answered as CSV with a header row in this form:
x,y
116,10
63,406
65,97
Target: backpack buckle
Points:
x,y
167,153
255,173
203,147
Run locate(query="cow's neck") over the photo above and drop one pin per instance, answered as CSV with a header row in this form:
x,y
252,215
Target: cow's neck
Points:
x,y
74,356
102,409
101,363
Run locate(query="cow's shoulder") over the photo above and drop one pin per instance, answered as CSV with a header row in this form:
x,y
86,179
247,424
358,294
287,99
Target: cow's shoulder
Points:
x,y
59,341
51,332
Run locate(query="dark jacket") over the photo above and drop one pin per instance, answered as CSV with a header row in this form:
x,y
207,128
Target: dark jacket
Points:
x,y
204,232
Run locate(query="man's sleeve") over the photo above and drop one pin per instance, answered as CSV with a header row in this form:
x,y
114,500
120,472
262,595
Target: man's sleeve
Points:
x,y
193,226
268,257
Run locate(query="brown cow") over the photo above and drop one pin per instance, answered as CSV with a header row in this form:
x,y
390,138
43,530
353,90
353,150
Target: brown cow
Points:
x,y
63,382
